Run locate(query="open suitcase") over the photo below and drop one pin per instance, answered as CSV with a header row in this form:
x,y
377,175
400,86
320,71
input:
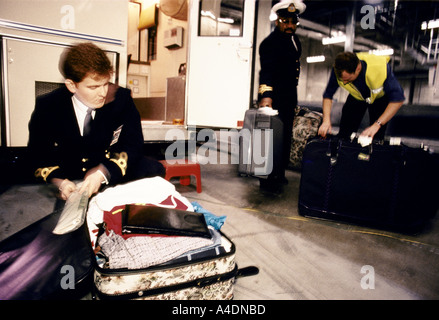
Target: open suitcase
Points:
x,y
260,144
207,278
381,185
204,274
36,264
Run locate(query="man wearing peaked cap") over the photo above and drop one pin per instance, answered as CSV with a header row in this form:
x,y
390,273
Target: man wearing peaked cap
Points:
x,y
289,7
278,78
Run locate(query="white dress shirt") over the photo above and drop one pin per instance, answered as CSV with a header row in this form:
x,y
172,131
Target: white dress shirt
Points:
x,y
81,111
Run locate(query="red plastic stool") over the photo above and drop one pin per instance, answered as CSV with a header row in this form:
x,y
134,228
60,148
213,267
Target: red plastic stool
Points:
x,y
184,169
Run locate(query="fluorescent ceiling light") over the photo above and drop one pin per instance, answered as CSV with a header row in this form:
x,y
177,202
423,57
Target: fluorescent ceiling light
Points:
x,y
383,52
333,40
208,14
315,59
211,15
226,20
430,25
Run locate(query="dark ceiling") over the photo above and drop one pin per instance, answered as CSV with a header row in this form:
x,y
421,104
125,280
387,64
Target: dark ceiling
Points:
x,y
397,23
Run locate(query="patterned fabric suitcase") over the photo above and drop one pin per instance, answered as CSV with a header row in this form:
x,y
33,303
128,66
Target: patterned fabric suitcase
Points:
x,y
124,268
305,126
210,278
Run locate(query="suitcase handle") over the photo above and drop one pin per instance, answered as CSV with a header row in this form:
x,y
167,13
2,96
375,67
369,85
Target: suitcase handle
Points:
x,y
335,145
235,273
247,271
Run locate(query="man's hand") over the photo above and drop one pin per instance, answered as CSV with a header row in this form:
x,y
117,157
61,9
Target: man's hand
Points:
x,y
92,181
266,102
391,109
65,187
325,128
371,131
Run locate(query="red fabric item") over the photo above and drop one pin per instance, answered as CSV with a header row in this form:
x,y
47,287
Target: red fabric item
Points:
x,y
113,218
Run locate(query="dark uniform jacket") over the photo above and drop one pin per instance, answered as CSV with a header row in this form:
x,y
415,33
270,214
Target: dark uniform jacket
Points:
x,y
278,79
59,151
280,69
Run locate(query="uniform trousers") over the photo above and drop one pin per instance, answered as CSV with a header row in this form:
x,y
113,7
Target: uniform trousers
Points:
x,y
353,112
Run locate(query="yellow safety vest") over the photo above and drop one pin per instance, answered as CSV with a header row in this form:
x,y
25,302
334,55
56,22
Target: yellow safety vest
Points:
x,y
376,74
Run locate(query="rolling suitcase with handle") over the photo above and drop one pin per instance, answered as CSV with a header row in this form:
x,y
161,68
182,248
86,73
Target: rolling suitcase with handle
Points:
x,y
260,144
381,185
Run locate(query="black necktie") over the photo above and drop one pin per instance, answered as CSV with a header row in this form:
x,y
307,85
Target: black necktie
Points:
x,y
87,122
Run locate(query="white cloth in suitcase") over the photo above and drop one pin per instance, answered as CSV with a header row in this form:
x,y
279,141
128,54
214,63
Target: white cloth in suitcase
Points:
x,y
208,271
153,191
145,251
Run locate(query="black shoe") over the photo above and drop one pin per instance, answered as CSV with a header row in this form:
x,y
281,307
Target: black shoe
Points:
x,y
279,180
270,186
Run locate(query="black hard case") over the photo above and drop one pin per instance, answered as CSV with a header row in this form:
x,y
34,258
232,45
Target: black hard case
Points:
x,y
386,186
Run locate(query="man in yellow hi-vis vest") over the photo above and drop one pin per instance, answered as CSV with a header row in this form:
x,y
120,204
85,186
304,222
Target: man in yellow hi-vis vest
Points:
x,y
371,85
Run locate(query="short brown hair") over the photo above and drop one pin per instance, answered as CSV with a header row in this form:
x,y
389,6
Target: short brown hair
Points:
x,y
83,59
345,61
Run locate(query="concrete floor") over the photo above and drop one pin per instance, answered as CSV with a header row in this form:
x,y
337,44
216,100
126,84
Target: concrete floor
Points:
x,y
306,258
298,258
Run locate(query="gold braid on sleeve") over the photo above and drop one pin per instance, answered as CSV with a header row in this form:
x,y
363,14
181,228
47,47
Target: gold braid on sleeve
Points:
x,y
264,88
121,159
44,172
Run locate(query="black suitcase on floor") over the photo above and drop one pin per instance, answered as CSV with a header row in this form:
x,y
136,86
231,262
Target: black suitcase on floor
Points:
x,y
36,264
381,185
260,143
